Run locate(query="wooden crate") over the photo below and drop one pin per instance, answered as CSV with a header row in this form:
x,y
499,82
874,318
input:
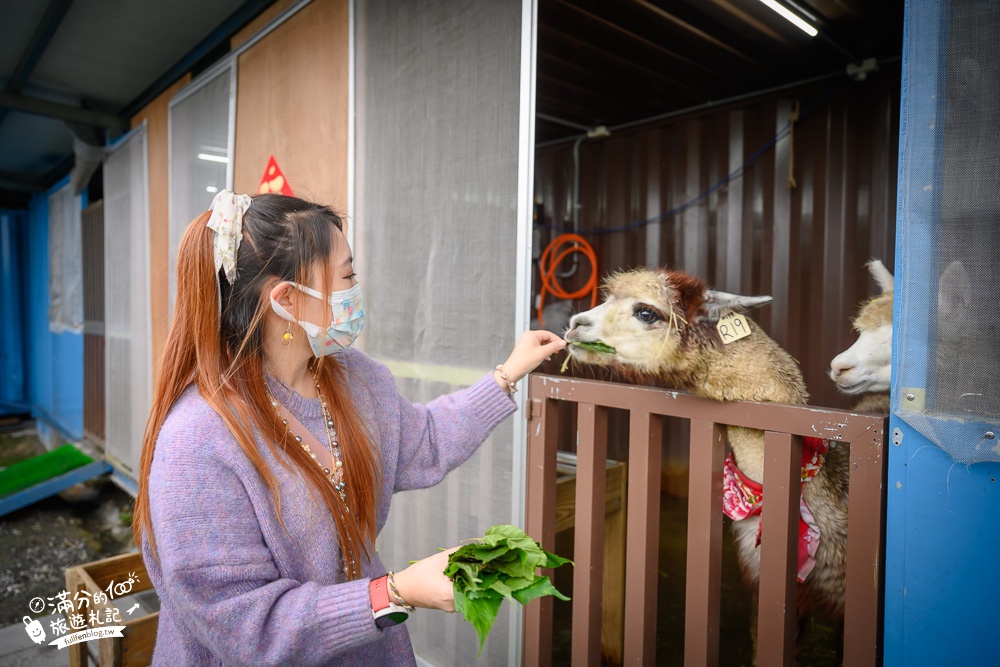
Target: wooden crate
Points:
x,y
135,648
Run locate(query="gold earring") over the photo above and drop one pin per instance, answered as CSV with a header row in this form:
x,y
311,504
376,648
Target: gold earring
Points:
x,y
287,337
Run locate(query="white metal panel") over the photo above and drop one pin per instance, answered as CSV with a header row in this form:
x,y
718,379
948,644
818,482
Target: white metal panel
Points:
x,y
201,138
128,355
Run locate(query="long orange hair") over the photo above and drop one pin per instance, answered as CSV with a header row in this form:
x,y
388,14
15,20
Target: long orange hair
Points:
x,y
221,350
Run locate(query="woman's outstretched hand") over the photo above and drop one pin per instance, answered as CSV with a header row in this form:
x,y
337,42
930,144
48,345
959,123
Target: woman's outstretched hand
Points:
x,y
532,348
423,584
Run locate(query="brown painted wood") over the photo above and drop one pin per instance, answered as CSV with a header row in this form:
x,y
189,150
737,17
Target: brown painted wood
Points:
x,y
866,550
642,550
794,419
783,424
779,548
592,428
540,522
704,545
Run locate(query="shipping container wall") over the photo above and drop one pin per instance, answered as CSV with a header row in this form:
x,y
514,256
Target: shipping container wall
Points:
x,y
13,226
805,244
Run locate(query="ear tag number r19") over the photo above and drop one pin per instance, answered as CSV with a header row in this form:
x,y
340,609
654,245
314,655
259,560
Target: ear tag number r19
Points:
x,y
732,326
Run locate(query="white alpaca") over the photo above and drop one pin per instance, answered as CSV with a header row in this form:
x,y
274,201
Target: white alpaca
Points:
x,y
866,366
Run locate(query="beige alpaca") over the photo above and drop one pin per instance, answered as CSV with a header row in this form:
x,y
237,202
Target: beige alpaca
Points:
x,y
662,325
866,366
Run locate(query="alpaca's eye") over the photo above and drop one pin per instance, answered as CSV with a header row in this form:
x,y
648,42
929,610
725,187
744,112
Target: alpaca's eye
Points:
x,y
646,315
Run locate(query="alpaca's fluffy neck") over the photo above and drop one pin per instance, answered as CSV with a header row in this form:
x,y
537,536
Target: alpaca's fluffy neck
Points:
x,y
752,369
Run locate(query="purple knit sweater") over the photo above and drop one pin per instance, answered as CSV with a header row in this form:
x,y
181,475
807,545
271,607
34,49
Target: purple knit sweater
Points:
x,y
237,589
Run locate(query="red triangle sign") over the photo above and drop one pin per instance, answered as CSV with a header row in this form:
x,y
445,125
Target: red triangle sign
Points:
x,y
273,179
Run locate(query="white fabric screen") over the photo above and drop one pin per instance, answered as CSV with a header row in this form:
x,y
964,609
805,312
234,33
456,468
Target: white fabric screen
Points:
x,y
200,153
65,262
436,242
128,358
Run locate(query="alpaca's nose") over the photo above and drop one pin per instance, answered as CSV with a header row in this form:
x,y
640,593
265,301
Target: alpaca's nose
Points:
x,y
579,321
840,366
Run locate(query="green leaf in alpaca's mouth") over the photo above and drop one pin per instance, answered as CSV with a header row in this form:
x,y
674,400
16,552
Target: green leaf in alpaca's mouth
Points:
x,y
595,346
591,346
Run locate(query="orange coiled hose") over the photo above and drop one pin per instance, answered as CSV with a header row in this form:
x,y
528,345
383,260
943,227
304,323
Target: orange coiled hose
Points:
x,y
550,262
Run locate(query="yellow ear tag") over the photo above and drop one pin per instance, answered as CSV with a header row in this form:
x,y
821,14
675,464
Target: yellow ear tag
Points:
x,y
732,326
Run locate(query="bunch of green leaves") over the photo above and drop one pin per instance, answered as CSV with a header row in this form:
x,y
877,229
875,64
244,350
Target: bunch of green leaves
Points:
x,y
591,346
501,565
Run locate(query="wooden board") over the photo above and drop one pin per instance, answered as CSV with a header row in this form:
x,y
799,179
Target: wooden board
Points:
x,y
135,648
292,102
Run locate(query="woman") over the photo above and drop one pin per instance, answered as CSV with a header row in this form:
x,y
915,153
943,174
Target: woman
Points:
x,y
273,448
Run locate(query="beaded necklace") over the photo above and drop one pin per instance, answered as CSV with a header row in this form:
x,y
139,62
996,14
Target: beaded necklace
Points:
x,y
336,476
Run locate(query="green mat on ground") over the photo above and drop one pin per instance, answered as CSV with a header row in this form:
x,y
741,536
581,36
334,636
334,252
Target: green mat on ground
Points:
x,y
24,474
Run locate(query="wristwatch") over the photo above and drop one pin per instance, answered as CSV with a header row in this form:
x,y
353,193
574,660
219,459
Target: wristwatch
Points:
x,y
384,610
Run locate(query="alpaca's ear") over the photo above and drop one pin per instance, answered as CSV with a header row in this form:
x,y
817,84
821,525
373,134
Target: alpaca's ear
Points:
x,y
881,275
717,303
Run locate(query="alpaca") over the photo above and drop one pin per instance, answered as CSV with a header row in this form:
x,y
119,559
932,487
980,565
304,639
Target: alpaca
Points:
x,y
662,325
866,366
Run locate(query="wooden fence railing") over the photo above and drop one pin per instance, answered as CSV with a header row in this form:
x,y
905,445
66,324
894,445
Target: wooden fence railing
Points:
x,y
784,425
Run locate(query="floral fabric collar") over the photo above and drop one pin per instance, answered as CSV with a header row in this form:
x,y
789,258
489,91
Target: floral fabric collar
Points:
x,y
742,497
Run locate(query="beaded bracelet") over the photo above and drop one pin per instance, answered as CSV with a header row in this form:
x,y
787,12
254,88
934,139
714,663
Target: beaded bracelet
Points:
x,y
506,378
395,593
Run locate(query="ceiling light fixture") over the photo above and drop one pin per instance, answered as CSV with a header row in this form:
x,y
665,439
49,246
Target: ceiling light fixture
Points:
x,y
211,189
791,18
213,158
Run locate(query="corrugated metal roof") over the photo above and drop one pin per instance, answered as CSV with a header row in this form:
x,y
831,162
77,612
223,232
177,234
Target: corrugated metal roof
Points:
x,y
99,55
607,62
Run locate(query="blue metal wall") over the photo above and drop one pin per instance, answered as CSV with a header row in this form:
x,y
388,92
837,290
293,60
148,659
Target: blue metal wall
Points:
x,y
943,531
55,361
13,225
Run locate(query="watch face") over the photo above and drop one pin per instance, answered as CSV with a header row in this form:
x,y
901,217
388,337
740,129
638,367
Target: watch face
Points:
x,y
392,618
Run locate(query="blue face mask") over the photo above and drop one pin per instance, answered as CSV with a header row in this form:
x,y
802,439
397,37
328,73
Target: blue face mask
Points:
x,y
348,320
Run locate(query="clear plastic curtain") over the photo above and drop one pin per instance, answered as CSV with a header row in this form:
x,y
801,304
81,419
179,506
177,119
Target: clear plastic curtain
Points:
x,y
128,358
947,362
435,242
200,154
65,262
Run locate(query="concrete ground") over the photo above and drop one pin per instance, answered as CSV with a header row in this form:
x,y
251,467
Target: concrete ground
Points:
x,y
18,650
37,544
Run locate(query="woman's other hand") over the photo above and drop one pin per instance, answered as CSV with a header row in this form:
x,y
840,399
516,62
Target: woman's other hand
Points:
x,y
423,584
532,348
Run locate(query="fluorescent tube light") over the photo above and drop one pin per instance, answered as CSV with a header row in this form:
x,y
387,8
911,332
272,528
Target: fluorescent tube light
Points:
x,y
790,17
213,158
211,189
